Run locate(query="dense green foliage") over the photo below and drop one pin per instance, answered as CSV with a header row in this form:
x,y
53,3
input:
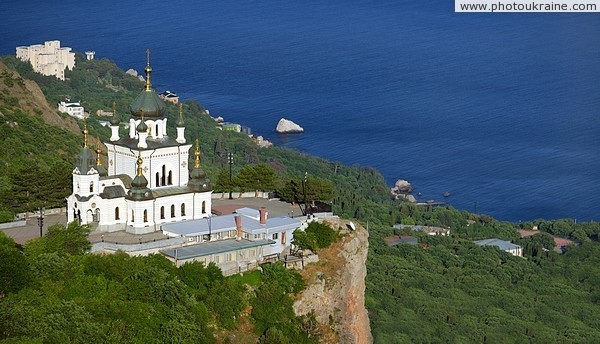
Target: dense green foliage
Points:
x,y
56,293
316,235
452,290
272,308
455,291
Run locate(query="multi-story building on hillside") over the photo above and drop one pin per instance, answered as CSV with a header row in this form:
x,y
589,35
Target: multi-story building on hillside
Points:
x,y
73,109
48,59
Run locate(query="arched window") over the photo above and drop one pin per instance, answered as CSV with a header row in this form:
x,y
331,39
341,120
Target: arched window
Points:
x,y
164,171
157,133
173,210
162,213
91,186
132,216
117,213
145,215
157,179
182,209
203,207
170,179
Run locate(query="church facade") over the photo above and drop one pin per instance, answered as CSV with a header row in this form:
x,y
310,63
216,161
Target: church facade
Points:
x,y
147,181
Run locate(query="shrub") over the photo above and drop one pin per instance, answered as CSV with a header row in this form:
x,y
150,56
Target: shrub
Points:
x,y
317,235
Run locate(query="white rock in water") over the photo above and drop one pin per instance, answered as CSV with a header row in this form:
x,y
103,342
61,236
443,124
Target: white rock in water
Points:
x,y
287,126
132,72
401,187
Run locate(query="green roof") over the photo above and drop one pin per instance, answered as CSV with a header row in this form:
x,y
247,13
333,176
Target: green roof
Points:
x,y
153,106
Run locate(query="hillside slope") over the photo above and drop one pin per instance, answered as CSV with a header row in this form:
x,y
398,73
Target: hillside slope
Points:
x,y
25,94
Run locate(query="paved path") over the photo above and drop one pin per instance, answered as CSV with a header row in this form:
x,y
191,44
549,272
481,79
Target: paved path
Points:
x,y
31,230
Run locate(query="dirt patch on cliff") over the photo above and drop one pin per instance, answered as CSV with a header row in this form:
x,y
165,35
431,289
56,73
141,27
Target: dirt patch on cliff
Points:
x,y
26,95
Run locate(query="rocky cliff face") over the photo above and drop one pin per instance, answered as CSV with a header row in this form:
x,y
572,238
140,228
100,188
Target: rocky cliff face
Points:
x,y
336,293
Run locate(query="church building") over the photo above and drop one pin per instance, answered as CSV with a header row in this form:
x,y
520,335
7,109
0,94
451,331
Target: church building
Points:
x,y
147,181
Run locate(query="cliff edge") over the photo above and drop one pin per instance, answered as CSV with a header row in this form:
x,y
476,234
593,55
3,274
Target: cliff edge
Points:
x,y
336,288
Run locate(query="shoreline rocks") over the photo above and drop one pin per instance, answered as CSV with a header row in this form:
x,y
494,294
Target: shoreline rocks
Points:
x,y
286,126
402,190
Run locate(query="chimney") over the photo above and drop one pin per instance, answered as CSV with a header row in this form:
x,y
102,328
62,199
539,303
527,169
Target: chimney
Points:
x,y
263,215
238,227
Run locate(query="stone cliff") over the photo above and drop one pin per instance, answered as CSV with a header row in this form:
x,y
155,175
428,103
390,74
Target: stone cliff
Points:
x,y
336,286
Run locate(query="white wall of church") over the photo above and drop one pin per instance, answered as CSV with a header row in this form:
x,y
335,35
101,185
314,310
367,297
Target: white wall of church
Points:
x,y
140,217
169,209
202,205
85,184
122,160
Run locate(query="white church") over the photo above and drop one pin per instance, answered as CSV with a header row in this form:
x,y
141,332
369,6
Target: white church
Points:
x,y
147,182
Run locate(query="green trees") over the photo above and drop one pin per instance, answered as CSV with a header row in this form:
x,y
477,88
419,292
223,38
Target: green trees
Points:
x,y
14,269
272,310
316,235
257,177
314,189
71,239
459,292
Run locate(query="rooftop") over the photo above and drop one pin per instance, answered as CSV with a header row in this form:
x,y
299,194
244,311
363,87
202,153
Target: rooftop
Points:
x,y
214,247
397,239
501,244
216,224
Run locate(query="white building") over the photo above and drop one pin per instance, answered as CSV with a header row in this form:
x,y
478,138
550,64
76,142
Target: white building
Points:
x,y
147,182
234,241
48,59
502,245
73,109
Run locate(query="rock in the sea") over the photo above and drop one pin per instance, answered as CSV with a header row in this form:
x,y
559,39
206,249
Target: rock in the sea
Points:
x,y
287,127
401,187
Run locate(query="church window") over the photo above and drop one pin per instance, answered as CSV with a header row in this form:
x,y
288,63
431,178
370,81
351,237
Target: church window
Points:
x,y
132,216
162,213
170,179
173,210
275,236
157,179
157,132
203,207
145,215
164,171
91,186
182,209
117,213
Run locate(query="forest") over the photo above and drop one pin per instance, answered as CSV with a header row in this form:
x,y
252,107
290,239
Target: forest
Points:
x,y
53,292
447,289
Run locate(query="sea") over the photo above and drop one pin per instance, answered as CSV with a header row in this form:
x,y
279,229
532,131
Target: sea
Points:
x,y
502,110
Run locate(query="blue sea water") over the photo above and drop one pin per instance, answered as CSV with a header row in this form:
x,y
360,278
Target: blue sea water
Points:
x,y
501,110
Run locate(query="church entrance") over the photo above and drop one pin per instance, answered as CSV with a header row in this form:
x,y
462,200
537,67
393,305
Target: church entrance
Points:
x,y
89,216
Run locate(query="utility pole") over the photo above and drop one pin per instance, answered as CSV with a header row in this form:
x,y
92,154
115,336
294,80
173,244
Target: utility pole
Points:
x,y
41,220
230,162
304,182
